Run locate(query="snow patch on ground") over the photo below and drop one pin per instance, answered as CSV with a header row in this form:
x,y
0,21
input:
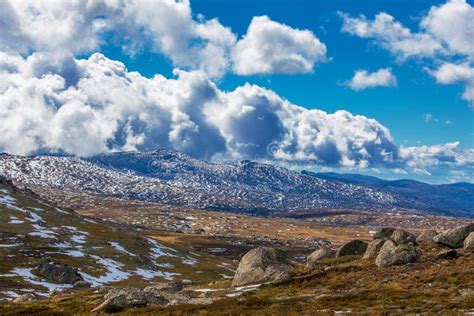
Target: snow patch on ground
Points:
x,y
26,274
118,247
114,272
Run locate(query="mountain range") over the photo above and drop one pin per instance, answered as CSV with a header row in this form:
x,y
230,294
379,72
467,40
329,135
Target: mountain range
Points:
x,y
171,177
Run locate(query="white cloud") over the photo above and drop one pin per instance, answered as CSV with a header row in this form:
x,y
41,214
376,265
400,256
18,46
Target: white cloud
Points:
x,y
166,27
449,73
445,33
109,108
392,35
271,47
381,78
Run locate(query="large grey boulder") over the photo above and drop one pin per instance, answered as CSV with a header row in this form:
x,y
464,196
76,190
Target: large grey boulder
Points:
x,y
352,248
384,233
469,242
454,238
57,273
373,248
262,265
391,255
401,237
426,237
318,255
119,299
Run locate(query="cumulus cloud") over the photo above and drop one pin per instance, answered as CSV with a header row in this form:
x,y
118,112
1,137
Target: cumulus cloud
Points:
x,y
166,27
449,73
108,108
271,47
446,32
381,78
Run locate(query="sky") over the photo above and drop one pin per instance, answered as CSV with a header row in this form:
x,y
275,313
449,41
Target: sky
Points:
x,y
375,87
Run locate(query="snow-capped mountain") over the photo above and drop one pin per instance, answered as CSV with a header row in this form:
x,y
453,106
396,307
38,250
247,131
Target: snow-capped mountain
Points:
x,y
171,177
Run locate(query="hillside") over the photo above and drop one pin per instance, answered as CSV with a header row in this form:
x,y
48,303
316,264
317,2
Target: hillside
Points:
x,y
105,253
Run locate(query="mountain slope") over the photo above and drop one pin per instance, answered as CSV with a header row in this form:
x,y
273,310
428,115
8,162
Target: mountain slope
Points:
x,y
104,253
171,177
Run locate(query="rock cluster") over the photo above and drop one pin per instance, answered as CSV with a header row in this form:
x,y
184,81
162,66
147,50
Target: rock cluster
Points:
x,y
454,238
392,246
262,265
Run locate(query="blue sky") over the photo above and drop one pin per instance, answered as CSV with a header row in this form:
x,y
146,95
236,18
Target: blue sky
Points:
x,y
415,66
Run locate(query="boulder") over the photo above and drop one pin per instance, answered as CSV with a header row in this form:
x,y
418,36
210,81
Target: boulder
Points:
x,y
401,237
352,248
318,255
469,242
454,238
398,255
373,248
426,237
447,255
388,246
384,233
57,273
121,298
26,298
262,265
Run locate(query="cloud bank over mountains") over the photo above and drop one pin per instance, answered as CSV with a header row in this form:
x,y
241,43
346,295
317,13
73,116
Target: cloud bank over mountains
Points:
x,y
52,100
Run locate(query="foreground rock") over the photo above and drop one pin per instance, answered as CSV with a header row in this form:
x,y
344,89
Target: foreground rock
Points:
x,y
391,254
384,233
454,238
119,299
373,248
262,265
469,242
58,273
401,237
352,248
426,237
318,255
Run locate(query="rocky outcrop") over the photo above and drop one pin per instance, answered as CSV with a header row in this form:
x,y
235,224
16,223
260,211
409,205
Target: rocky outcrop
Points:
x,y
122,298
58,273
373,248
262,265
392,254
26,298
426,237
318,255
454,238
352,248
469,242
401,237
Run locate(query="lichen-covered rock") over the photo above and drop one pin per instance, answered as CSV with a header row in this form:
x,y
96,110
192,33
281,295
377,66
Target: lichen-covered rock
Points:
x,y
262,265
373,248
401,237
384,233
352,248
121,298
398,255
469,242
318,255
454,238
426,237
57,273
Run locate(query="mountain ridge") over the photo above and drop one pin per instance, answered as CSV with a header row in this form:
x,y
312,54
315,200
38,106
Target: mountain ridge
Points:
x,y
171,177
